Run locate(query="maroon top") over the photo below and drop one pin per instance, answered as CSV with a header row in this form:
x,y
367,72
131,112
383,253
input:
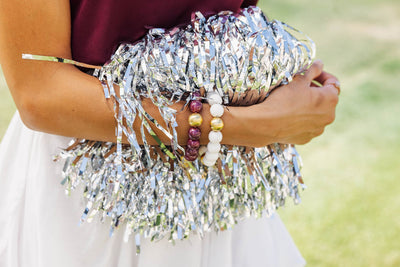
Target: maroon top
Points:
x,y
99,26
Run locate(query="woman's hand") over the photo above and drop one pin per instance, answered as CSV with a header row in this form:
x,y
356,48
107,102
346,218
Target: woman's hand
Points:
x,y
294,113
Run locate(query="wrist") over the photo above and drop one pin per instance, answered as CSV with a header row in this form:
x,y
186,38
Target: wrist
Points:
x,y
236,130
234,121
255,125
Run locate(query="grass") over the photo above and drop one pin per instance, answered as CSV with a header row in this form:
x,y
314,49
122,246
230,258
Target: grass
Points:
x,y
350,211
7,106
349,215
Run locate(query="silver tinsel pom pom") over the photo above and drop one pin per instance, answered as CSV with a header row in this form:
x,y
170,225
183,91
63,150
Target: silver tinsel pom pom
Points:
x,y
152,189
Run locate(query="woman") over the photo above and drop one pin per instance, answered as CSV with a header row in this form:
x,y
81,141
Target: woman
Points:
x,y
39,223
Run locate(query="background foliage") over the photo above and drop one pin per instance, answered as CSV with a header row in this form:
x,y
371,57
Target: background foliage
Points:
x,y
350,211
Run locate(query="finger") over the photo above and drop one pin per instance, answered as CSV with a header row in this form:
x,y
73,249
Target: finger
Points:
x,y
315,70
301,140
337,86
332,92
333,83
328,79
319,132
325,76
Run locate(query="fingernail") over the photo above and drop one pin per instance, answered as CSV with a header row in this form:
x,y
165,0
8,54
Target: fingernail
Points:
x,y
319,61
337,86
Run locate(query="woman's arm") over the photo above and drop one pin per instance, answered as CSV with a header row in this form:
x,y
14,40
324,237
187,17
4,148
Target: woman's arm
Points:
x,y
50,97
60,99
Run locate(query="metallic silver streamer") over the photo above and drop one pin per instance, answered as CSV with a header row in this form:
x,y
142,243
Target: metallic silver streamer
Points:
x,y
153,190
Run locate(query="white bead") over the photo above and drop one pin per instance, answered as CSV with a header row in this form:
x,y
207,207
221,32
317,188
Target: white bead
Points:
x,y
214,98
202,150
211,156
208,163
213,147
215,137
217,110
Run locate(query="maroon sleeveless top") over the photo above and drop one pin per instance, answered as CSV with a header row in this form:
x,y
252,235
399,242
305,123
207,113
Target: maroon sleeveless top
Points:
x,y
99,26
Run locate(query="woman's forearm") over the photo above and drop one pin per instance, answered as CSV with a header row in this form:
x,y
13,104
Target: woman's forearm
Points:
x,y
65,101
68,102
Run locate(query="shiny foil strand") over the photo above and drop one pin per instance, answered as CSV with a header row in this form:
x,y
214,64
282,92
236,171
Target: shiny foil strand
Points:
x,y
153,190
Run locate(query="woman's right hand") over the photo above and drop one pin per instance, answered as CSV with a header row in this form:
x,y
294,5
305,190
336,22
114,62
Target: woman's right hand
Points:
x,y
293,114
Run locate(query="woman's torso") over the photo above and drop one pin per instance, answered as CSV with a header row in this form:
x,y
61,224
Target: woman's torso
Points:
x,y
98,27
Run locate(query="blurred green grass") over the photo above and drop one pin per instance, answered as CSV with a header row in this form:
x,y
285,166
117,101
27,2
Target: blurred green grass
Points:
x,y
350,211
7,106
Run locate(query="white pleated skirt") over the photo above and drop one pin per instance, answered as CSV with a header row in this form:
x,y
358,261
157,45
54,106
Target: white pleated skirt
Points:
x,y
39,223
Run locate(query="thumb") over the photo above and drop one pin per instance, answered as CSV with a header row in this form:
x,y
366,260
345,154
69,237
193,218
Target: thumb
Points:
x,y
315,70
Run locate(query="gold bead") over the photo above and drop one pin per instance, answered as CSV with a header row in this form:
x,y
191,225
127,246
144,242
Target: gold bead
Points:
x,y
217,124
195,120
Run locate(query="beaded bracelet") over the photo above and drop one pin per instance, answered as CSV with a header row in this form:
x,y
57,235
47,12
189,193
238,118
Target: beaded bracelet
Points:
x,y
215,136
195,121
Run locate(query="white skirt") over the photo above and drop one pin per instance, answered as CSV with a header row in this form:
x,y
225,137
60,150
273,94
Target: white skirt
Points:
x,y
39,223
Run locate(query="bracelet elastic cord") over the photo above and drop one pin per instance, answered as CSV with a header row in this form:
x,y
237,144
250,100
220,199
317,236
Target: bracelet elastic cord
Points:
x,y
195,121
215,136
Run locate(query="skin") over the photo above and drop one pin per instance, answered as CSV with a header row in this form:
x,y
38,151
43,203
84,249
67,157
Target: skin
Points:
x,y
60,99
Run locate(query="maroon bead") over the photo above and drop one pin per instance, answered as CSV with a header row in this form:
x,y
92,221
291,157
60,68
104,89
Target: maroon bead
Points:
x,y
195,106
193,144
194,133
191,152
190,158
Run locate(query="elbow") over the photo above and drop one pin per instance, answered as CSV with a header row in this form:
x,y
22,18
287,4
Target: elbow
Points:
x,y
29,115
30,110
